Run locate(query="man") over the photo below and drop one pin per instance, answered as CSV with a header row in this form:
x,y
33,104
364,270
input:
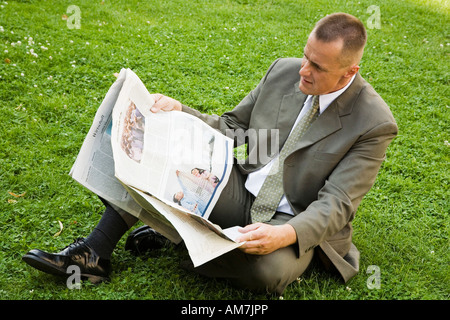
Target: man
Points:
x,y
324,175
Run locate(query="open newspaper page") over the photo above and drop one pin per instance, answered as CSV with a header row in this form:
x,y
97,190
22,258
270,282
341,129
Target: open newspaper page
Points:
x,y
174,162
167,169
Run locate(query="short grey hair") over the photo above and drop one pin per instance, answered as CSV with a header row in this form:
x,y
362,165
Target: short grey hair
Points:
x,y
346,27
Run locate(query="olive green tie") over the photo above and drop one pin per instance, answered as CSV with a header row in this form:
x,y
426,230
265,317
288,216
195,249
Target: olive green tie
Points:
x,y
271,192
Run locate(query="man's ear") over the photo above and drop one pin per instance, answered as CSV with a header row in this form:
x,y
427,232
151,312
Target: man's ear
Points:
x,y
353,70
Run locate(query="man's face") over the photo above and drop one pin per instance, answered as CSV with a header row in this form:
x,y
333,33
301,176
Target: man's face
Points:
x,y
321,71
179,195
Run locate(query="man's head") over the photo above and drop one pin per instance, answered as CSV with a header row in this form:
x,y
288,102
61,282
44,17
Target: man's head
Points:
x,y
332,54
178,196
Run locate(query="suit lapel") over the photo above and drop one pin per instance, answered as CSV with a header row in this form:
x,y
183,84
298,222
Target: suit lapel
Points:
x,y
329,121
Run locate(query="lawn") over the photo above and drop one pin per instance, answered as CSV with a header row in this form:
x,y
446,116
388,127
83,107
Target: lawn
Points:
x,y
209,55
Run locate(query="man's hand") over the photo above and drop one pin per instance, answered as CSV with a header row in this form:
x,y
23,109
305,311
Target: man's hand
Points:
x,y
262,238
164,103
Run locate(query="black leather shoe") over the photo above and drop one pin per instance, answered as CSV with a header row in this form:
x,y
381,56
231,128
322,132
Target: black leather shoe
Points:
x,y
144,239
92,267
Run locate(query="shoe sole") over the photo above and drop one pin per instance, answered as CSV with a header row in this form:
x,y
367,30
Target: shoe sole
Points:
x,y
46,267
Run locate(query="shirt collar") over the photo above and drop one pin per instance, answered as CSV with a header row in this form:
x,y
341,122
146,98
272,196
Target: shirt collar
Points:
x,y
326,99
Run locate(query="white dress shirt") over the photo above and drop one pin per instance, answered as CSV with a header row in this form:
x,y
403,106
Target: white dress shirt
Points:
x,y
256,179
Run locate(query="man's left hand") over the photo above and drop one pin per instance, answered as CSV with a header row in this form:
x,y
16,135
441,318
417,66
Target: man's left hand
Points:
x,y
262,238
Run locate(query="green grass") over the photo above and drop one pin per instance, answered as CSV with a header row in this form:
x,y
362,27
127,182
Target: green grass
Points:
x,y
209,54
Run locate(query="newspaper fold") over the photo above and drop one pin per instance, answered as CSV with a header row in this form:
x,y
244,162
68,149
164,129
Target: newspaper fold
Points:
x,y
167,169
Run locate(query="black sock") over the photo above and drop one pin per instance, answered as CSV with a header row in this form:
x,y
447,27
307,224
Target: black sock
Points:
x,y
105,236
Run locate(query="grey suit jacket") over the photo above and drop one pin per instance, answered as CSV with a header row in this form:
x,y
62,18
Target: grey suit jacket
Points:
x,y
335,163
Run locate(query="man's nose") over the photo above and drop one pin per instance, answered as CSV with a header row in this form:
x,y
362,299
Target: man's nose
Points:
x,y
304,69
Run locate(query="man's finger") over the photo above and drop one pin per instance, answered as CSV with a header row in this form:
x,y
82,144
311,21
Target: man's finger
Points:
x,y
157,106
248,236
248,231
249,227
165,103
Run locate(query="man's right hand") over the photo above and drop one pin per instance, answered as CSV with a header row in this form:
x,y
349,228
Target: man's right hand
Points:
x,y
164,103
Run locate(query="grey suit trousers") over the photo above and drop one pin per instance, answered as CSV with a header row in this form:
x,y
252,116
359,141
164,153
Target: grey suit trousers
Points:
x,y
269,273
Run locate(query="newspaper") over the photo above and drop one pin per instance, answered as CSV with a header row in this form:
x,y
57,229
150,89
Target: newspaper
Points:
x,y
167,169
